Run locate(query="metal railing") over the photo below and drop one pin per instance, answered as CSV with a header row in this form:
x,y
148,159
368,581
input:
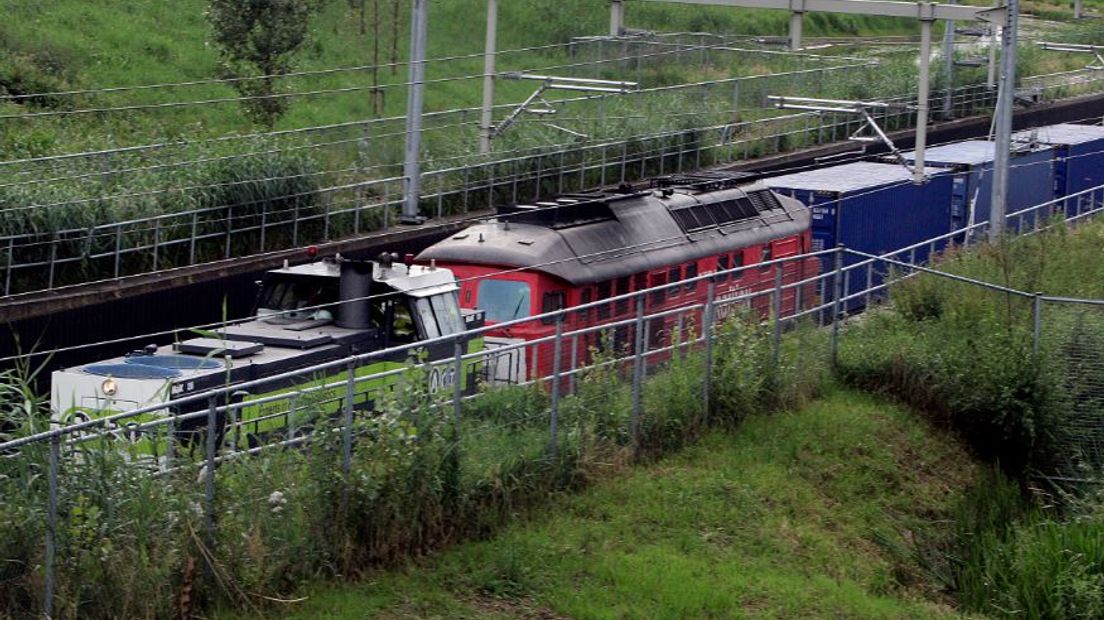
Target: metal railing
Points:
x,y
782,299
51,259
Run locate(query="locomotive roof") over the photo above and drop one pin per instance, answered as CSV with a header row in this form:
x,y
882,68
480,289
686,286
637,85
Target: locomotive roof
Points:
x,y
584,239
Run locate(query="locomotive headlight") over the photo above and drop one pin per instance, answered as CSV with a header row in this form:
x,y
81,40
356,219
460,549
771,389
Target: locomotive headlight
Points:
x,y
109,387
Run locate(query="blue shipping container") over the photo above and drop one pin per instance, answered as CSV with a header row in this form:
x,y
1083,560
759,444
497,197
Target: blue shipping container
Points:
x,y
871,207
1079,161
1031,181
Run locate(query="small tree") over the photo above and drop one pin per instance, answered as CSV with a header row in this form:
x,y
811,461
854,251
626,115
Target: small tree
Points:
x,y
257,39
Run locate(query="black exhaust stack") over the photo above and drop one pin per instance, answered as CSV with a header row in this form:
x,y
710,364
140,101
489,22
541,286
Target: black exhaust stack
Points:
x,y
353,291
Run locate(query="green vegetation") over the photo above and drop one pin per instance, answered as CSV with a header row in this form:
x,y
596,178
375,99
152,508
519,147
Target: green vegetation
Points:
x,y
967,356
807,513
70,44
417,481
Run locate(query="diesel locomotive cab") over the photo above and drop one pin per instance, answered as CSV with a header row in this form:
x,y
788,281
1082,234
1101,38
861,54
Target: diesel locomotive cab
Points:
x,y
306,315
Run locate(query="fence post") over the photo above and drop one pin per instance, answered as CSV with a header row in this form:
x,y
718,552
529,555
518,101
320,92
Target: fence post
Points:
x,y
869,281
457,384
554,417
170,442
837,292
707,333
1037,327
51,527
192,240
10,266
347,433
574,363
638,373
776,308
209,492
118,246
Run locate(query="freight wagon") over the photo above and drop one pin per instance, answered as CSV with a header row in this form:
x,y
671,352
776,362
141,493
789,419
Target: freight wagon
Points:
x,y
1078,161
871,207
1030,182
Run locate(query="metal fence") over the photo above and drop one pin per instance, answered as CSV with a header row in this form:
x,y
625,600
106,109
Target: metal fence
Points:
x,y
652,337
46,257
50,259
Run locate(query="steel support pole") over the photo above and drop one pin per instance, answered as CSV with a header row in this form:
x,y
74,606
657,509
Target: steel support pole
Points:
x,y
416,91
489,53
617,17
948,67
797,19
922,99
1005,97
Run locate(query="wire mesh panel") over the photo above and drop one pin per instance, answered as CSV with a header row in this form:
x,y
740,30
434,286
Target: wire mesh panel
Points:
x,y
1072,339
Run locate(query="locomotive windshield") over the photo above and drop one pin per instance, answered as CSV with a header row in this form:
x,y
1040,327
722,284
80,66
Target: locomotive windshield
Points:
x,y
288,298
504,300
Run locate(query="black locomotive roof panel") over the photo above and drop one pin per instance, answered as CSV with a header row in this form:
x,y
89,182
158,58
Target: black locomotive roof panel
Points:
x,y
641,232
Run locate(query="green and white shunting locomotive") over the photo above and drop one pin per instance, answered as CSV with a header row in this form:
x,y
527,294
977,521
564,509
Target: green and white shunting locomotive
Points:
x,y
306,315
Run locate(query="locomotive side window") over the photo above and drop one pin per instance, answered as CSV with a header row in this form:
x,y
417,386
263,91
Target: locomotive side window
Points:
x,y
674,274
402,325
585,298
722,265
552,302
691,272
447,312
640,281
622,289
604,293
504,300
426,318
296,299
659,295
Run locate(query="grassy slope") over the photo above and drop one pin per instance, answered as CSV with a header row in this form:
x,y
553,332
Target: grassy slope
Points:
x,y
795,515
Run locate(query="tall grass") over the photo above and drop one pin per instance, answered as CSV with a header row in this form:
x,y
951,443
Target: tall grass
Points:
x,y
967,357
136,544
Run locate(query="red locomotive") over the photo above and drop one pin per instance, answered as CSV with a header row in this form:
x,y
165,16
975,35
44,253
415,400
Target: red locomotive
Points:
x,y
581,248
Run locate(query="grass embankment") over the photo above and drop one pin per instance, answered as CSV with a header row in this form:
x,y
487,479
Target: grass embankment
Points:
x,y
72,44
816,512
967,356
